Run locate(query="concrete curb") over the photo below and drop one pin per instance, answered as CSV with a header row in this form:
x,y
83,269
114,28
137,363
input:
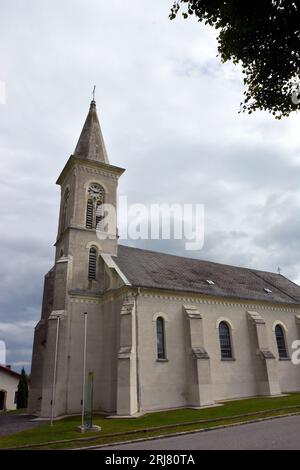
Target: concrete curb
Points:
x,y
182,433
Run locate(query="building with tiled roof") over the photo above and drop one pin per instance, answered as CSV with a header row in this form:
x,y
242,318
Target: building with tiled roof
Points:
x,y
157,331
9,380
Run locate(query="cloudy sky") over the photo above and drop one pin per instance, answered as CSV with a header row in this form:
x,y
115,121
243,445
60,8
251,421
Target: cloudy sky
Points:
x,y
169,115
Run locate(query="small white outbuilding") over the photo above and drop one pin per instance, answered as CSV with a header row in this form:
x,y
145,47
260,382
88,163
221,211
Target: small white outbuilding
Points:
x,y
9,380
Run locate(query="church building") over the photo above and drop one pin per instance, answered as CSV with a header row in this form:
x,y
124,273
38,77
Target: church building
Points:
x,y
163,331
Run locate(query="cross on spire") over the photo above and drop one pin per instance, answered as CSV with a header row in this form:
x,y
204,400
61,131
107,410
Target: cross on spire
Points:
x,y
94,91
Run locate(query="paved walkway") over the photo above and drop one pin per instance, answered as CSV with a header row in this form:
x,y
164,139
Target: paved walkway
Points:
x,y
14,422
276,434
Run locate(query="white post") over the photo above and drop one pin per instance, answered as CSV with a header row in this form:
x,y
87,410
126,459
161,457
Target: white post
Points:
x,y
84,369
54,371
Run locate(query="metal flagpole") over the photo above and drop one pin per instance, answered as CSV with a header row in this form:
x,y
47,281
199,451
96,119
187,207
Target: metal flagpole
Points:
x,y
54,372
84,370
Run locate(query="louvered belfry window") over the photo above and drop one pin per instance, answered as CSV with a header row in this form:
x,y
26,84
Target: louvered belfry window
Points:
x,y
89,214
99,215
92,263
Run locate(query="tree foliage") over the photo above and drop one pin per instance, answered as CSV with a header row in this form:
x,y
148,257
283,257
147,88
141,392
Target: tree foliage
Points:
x,y
22,393
263,36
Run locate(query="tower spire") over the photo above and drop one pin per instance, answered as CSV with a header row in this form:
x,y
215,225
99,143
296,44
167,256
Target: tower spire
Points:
x,y
91,144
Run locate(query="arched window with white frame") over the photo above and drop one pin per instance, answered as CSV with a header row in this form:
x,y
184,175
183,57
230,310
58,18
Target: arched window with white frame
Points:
x,y
280,340
225,340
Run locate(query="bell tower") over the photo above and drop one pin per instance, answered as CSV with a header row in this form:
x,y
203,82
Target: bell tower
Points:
x,y
77,281
88,187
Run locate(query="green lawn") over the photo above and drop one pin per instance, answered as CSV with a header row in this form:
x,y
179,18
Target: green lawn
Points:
x,y
228,413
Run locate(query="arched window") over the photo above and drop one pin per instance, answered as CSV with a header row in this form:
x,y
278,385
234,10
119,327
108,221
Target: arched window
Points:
x,y
94,205
92,263
225,340
64,210
89,214
280,340
160,336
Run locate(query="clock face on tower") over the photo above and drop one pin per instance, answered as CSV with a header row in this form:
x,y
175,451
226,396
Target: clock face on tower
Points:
x,y
95,190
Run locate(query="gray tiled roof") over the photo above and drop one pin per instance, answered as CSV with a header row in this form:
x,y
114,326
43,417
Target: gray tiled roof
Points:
x,y
152,269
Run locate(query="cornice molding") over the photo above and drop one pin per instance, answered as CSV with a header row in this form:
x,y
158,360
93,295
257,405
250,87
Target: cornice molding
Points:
x,y
131,291
89,166
227,303
97,171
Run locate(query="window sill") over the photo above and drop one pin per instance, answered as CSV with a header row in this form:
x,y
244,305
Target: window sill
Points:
x,y
162,360
227,359
284,358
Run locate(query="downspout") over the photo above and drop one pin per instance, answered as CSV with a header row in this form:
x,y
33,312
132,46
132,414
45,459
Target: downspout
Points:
x,y
137,350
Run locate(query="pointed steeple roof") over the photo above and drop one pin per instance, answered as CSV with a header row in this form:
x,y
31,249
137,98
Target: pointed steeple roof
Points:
x,y
91,144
